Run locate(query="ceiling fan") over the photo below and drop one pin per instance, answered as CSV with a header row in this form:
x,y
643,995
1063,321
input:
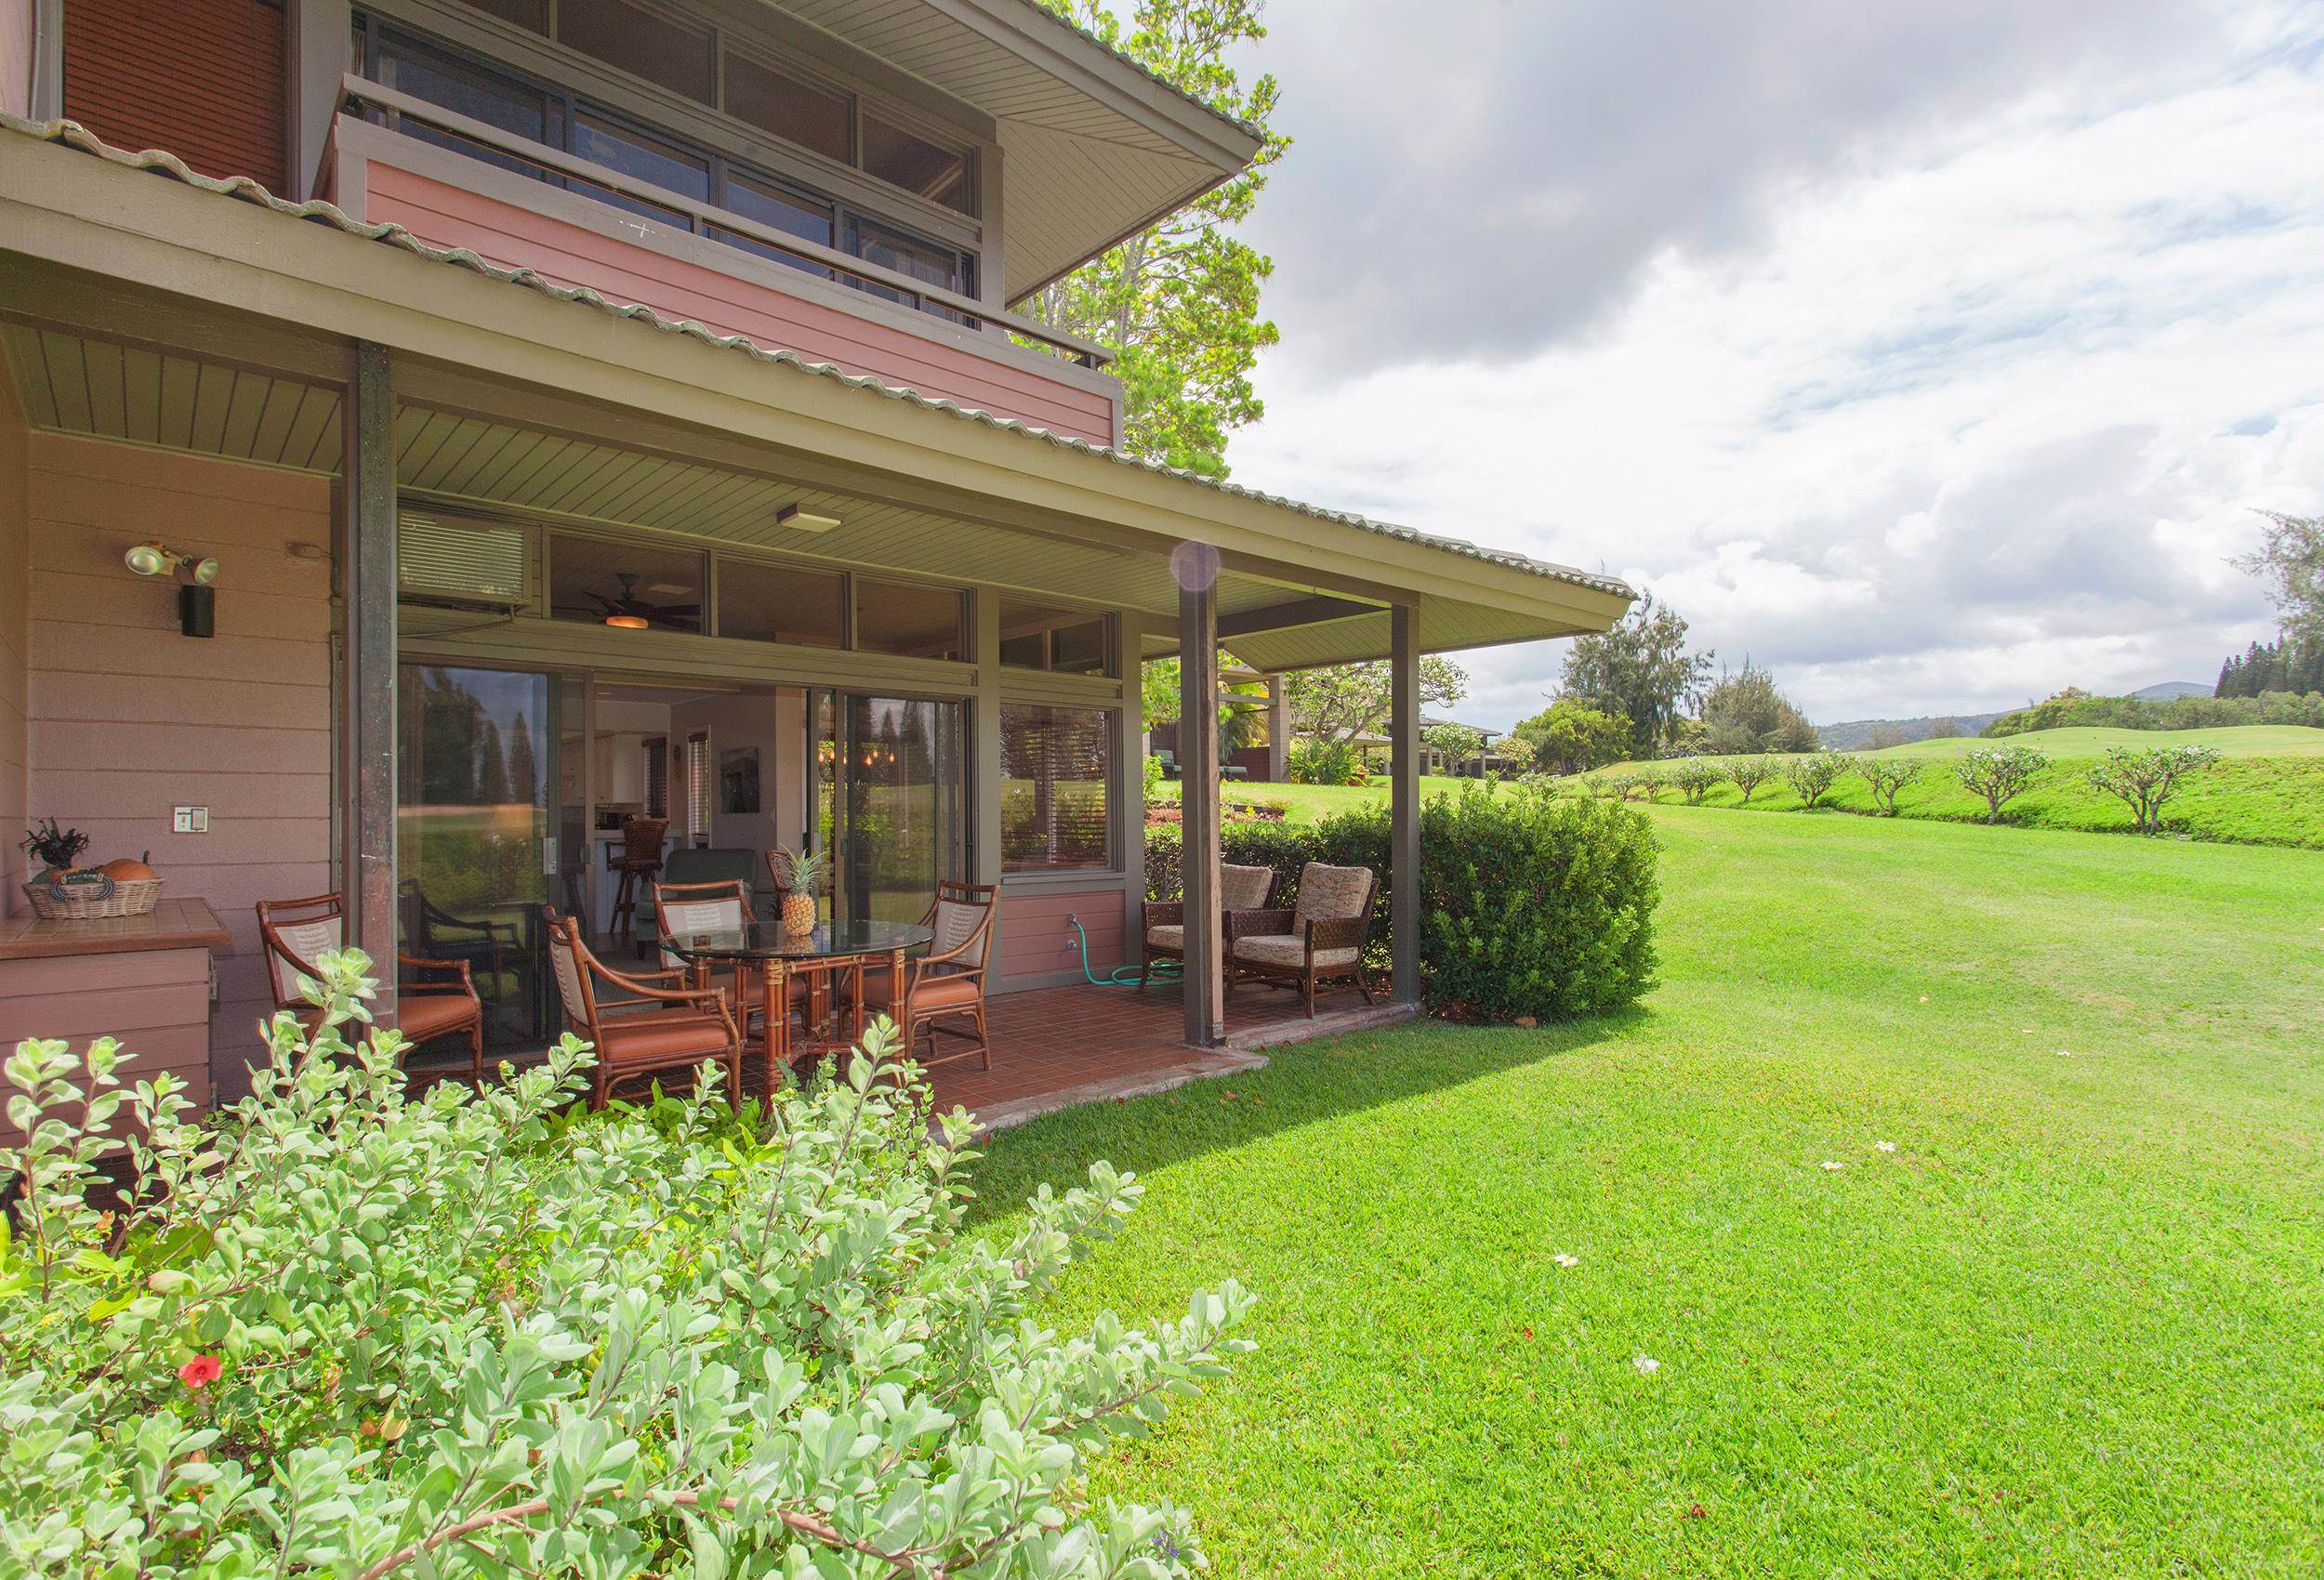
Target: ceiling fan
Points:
x,y
630,612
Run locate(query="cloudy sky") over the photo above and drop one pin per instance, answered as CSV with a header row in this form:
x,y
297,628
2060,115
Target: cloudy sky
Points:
x,y
1931,352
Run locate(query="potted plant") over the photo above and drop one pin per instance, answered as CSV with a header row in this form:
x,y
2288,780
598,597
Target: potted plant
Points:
x,y
808,869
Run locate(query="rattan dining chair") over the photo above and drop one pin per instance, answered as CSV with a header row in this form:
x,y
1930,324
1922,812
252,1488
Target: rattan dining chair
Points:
x,y
296,933
667,1020
946,985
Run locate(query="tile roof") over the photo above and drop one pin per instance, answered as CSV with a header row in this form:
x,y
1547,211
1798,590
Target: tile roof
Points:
x,y
71,134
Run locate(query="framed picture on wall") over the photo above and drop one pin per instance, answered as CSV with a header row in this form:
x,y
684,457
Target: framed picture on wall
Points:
x,y
739,779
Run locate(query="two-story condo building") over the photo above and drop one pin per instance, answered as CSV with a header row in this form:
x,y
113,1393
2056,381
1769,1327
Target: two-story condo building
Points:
x,y
602,413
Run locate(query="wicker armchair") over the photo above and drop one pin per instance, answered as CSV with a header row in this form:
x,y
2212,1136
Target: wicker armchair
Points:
x,y
1164,923
1320,939
946,985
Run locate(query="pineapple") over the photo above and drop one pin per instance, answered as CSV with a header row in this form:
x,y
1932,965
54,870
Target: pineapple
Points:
x,y
799,902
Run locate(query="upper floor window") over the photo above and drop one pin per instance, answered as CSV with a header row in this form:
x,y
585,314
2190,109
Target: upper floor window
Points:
x,y
526,107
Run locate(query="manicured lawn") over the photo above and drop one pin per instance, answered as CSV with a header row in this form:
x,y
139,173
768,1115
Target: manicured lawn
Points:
x,y
2269,789
2073,1325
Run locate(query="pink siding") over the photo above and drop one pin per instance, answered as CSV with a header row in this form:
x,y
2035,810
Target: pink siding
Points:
x,y
15,441
568,254
1036,941
157,1003
128,719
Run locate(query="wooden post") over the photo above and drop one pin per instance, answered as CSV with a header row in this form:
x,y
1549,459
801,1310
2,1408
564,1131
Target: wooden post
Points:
x,y
1403,804
1196,565
366,569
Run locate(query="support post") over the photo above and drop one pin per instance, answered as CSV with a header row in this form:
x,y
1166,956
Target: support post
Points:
x,y
366,571
1278,730
1197,566
1403,804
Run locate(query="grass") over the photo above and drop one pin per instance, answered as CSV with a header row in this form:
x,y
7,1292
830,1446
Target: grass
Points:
x,y
2269,789
2070,1325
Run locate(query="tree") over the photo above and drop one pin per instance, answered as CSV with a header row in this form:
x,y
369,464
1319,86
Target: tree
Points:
x,y
2144,778
2291,558
1640,669
1694,778
1744,713
2000,774
1457,741
1810,777
1178,303
1750,773
1886,776
1238,720
1348,700
1573,737
1944,728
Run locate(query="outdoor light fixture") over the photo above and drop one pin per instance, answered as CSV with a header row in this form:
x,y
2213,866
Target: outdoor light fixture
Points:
x,y
197,602
800,519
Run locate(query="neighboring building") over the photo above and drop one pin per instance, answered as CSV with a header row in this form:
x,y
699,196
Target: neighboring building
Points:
x,y
605,407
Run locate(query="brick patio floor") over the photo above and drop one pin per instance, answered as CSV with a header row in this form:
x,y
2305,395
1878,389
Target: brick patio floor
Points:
x,y
1059,1047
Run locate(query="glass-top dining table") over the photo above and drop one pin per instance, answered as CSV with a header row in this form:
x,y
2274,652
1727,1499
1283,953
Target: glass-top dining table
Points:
x,y
821,959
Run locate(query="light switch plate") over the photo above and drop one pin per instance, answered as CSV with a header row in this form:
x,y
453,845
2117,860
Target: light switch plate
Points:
x,y
190,820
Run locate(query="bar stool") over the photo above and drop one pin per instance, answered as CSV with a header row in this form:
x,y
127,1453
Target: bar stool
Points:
x,y
640,864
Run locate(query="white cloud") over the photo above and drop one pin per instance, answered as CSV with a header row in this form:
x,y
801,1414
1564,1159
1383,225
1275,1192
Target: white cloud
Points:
x,y
1965,417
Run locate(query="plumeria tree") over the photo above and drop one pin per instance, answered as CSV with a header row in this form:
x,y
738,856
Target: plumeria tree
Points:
x,y
2145,779
1887,776
2000,774
342,1330
1750,773
1812,776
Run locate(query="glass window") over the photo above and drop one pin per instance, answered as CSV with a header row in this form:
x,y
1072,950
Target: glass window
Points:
x,y
777,604
778,102
644,42
481,94
630,586
916,165
1064,641
911,622
1055,768
603,140
909,255
782,208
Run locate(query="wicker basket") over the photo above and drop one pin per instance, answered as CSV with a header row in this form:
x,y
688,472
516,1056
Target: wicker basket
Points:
x,y
54,903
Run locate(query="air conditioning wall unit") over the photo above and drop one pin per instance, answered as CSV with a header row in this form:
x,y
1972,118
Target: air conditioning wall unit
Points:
x,y
463,563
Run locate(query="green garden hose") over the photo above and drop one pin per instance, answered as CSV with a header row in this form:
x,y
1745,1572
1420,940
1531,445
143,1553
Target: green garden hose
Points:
x,y
1121,976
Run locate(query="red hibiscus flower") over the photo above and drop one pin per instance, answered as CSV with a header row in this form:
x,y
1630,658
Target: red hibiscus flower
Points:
x,y
200,1372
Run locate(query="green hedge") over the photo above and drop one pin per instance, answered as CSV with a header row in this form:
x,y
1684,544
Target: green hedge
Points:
x,y
1531,905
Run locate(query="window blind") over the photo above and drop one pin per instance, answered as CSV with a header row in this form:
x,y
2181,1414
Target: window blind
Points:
x,y
1055,775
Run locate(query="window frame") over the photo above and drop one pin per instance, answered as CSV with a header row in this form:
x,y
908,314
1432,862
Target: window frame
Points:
x,y
482,41
1114,719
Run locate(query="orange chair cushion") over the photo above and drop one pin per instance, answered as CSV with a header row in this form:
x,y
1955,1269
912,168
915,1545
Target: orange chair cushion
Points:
x,y
934,994
421,1016
670,1037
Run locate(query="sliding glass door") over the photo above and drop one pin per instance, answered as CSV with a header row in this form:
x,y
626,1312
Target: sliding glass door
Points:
x,y
890,802
478,758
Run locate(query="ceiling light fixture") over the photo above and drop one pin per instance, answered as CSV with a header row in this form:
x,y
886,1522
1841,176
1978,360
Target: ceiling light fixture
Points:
x,y
621,621
800,519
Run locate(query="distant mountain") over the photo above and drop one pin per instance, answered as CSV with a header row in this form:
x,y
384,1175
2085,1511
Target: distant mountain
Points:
x,y
2170,689
1860,734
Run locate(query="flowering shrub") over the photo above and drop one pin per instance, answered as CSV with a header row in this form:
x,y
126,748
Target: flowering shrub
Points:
x,y
1812,777
1695,778
2000,774
1886,777
2144,778
339,1329
1750,773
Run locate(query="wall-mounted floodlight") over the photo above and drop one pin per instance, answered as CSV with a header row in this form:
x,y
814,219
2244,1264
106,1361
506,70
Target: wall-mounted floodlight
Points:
x,y
197,605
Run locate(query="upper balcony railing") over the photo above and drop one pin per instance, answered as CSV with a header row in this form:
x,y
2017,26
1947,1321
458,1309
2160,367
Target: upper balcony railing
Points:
x,y
363,97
